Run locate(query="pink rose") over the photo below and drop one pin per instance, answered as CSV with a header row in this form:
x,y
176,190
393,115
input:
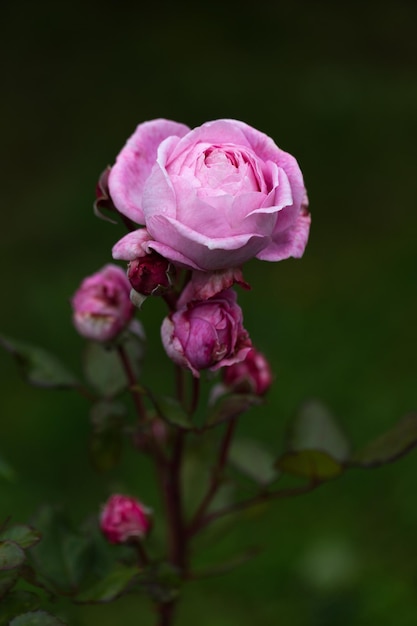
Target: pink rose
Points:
x,y
101,305
253,374
124,518
206,334
210,198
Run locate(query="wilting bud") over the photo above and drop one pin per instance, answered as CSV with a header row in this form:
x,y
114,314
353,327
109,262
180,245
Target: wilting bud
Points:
x,y
206,334
101,305
150,274
252,375
123,518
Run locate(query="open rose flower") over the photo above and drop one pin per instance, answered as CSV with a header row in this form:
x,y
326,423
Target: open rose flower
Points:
x,y
206,334
210,198
101,305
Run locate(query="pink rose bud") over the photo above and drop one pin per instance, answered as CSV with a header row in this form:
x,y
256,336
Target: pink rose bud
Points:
x,y
150,274
253,374
101,305
123,518
206,334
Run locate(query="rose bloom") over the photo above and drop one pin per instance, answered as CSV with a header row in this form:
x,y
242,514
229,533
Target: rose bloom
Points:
x,y
123,518
253,374
101,305
210,198
206,334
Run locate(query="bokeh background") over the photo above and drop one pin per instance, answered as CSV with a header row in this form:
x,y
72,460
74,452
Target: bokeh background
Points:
x,y
336,85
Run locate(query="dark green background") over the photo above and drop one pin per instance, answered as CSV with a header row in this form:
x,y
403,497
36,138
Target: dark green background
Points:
x,y
336,85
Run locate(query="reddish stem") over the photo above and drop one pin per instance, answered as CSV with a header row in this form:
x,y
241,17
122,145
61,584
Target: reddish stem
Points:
x,y
216,478
130,375
265,496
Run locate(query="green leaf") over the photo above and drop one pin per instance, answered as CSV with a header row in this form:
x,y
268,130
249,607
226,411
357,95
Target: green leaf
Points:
x,y
63,556
8,580
317,448
230,407
171,411
15,603
312,464
314,428
106,438
111,586
11,555
38,367
103,366
162,582
36,618
23,535
390,446
252,459
6,471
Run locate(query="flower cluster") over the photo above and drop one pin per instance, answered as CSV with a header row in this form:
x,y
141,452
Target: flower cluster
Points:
x,y
205,200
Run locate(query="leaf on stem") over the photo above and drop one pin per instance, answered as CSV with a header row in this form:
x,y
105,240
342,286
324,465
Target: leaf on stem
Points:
x,y
162,582
11,555
103,367
111,586
8,579
106,439
38,367
15,603
25,536
390,446
63,557
317,448
230,407
253,460
36,618
171,411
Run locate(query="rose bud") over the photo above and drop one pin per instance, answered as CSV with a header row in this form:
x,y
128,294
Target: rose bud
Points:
x,y
101,305
150,274
123,518
206,334
252,375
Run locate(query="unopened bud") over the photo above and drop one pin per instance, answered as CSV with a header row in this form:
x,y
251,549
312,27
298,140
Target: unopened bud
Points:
x,y
252,375
124,518
150,274
101,305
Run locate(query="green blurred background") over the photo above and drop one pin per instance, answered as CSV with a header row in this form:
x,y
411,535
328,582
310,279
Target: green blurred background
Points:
x,y
336,85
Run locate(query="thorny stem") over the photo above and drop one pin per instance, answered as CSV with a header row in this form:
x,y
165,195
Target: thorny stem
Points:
x,y
216,478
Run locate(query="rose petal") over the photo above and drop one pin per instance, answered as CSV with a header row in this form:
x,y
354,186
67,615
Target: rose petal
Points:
x,y
134,164
290,242
203,252
132,245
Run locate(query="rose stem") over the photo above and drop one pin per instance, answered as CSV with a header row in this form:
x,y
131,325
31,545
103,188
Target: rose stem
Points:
x,y
216,477
195,395
265,496
130,375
